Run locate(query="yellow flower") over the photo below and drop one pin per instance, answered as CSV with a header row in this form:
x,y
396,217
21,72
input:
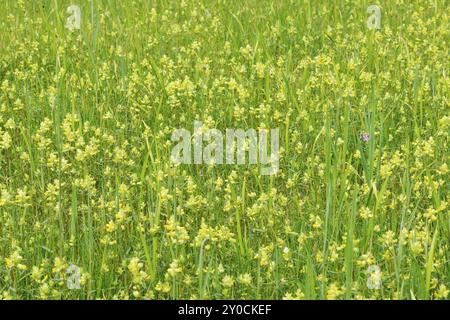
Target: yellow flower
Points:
x,y
14,259
174,268
365,213
135,267
245,279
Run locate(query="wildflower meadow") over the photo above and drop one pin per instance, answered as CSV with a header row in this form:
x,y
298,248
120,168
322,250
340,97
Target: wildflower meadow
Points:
x,y
220,149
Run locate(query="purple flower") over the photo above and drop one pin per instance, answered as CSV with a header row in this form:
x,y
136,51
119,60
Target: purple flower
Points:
x,y
364,136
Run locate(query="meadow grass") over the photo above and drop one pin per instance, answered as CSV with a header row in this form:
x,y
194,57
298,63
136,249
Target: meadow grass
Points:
x,y
358,210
